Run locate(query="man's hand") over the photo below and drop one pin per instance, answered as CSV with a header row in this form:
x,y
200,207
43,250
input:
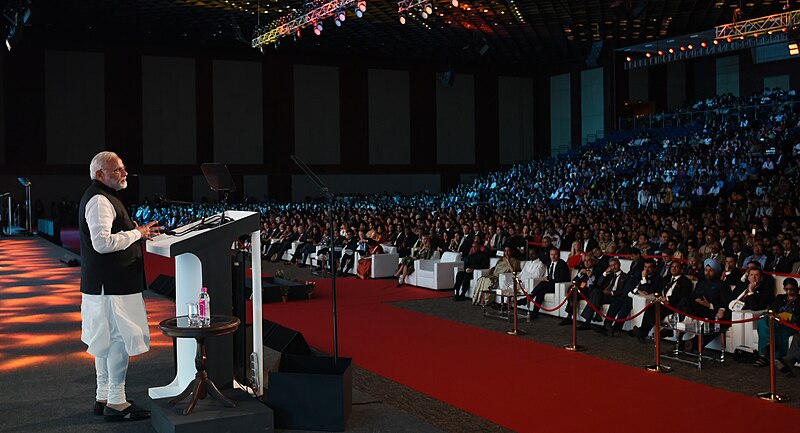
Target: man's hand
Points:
x,y
703,302
149,230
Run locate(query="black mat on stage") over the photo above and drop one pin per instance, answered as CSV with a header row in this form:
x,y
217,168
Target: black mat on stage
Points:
x,y
249,415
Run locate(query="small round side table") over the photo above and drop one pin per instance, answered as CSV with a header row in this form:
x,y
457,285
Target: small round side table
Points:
x,y
178,327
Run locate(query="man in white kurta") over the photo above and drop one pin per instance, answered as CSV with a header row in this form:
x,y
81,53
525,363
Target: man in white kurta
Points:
x,y
114,320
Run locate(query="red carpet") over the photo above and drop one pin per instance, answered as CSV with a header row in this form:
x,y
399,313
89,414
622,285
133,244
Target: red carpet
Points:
x,y
519,384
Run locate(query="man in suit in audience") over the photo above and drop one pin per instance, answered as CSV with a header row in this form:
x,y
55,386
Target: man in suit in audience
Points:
x,y
585,280
674,290
665,264
608,289
641,281
779,262
466,241
589,242
709,295
756,293
790,253
478,258
731,274
557,272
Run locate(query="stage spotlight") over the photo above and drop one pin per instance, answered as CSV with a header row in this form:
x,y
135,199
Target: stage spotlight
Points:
x,y
660,53
337,22
671,51
424,15
8,44
428,9
402,19
362,6
703,44
454,3
627,59
647,55
691,47
318,29
788,5
359,13
716,42
794,49
342,16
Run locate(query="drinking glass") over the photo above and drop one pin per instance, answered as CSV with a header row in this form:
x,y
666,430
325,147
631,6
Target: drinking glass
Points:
x,y
193,312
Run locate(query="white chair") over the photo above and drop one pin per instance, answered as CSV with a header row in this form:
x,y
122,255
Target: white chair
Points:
x,y
437,274
389,249
384,265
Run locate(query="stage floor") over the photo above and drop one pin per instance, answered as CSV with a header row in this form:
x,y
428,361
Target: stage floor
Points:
x,y
48,378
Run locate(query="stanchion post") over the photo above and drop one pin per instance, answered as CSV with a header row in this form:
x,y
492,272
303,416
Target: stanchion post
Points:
x,y
574,346
772,395
658,367
515,330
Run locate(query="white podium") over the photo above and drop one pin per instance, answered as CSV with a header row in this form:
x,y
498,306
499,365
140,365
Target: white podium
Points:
x,y
203,259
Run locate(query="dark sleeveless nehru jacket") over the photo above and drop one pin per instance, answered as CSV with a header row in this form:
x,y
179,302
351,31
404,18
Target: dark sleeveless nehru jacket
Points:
x,y
120,272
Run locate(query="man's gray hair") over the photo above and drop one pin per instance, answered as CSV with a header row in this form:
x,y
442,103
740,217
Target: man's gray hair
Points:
x,y
100,160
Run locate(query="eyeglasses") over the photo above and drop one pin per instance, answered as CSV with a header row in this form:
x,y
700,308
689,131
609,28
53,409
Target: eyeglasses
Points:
x,y
117,170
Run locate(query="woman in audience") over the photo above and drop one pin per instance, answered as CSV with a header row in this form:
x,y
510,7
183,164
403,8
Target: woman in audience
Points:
x,y
787,309
575,254
424,252
364,268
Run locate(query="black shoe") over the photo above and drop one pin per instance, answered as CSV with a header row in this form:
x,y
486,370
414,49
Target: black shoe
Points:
x,y
585,326
597,318
637,332
565,321
461,298
784,367
131,413
99,406
609,328
522,301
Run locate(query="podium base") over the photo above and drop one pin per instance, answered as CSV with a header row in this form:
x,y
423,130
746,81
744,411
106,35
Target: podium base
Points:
x,y
211,416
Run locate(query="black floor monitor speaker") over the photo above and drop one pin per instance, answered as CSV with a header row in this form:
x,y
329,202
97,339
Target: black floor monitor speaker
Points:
x,y
164,285
284,340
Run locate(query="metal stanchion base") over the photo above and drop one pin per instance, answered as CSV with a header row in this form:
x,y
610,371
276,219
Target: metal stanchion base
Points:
x,y
516,332
772,397
658,368
574,347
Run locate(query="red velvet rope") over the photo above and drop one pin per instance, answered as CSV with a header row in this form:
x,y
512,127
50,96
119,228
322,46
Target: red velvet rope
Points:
x,y
596,310
787,324
719,322
546,310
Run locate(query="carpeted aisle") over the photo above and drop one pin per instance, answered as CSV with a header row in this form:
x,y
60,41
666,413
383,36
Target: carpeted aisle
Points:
x,y
516,383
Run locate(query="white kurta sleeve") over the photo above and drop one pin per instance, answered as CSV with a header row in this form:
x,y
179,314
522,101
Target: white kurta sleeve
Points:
x,y
100,215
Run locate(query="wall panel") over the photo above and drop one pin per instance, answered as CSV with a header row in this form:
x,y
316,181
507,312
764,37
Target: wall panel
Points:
x,y
316,114
560,114
169,110
74,106
455,121
238,112
515,110
389,117
592,104
728,75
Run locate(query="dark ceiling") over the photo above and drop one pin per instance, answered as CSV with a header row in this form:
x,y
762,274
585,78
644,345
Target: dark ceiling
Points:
x,y
548,31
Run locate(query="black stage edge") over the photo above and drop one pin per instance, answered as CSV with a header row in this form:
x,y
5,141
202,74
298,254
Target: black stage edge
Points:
x,y
311,393
210,416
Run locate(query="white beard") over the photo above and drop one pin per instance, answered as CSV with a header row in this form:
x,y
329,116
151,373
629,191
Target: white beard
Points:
x,y
119,186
